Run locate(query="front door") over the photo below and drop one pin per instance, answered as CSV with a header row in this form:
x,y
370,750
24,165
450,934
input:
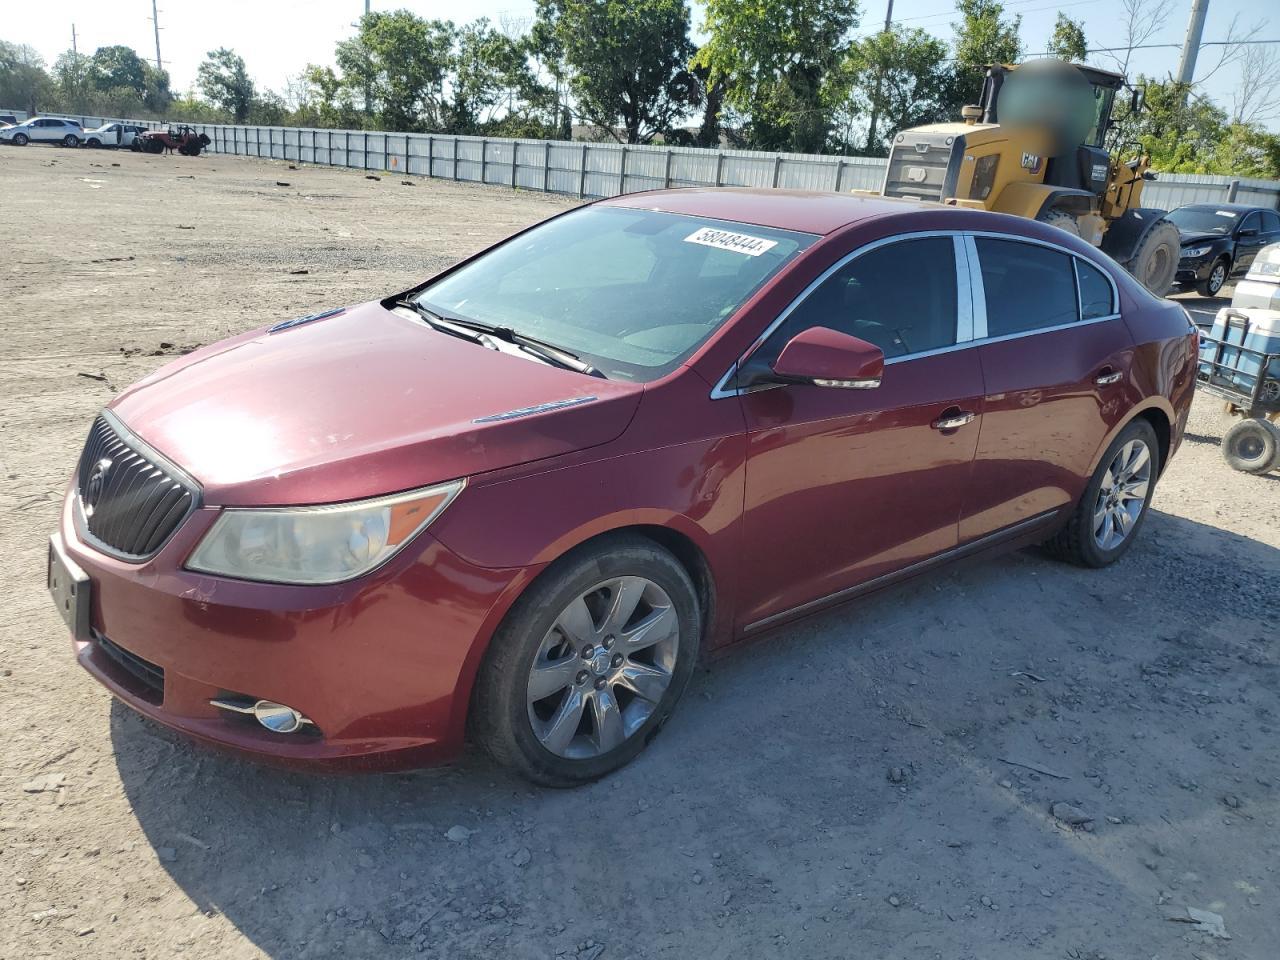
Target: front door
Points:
x,y
1056,359
845,486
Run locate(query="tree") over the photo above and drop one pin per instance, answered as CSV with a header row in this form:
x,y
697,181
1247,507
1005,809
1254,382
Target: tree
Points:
x,y
629,62
491,79
224,81
899,77
156,95
1068,40
397,66
1140,20
1256,99
118,68
71,77
23,80
548,55
323,100
780,65
982,37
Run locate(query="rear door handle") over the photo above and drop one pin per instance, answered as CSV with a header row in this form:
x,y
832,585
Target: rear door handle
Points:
x,y
1108,376
953,421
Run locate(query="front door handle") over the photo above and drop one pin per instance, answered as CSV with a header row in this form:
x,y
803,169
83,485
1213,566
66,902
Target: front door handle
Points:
x,y
1108,376
953,420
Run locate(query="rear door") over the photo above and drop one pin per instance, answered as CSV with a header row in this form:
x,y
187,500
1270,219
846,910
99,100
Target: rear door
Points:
x,y
847,486
1056,361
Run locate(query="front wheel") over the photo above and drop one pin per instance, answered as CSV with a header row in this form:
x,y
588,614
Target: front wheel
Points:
x,y
1211,284
20,140
1114,504
1155,261
589,662
93,143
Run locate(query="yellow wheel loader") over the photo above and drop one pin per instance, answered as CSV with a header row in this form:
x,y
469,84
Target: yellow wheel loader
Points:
x,y
1033,147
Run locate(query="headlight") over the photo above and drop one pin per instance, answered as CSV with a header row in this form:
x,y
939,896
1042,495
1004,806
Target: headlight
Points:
x,y
313,545
1194,252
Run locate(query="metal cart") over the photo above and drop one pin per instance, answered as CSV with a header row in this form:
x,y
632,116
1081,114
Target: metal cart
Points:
x,y
1243,378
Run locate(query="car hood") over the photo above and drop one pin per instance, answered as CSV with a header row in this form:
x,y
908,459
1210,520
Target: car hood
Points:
x,y
1194,239
360,403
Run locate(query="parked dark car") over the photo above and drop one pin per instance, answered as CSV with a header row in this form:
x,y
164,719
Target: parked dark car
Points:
x,y
8,120
1219,241
525,496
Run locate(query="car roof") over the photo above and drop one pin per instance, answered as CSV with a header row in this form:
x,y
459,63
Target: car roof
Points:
x,y
806,211
1238,207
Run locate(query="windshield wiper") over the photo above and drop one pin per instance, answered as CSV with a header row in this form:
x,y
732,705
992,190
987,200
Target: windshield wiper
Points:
x,y
481,332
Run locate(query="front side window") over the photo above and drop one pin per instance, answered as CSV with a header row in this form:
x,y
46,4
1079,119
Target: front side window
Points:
x,y
1251,222
1096,298
1027,287
901,297
632,292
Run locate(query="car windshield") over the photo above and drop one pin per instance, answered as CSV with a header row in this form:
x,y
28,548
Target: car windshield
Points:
x,y
632,292
1204,219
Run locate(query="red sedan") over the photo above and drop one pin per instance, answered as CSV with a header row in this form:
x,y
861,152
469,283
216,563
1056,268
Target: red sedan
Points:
x,y
520,500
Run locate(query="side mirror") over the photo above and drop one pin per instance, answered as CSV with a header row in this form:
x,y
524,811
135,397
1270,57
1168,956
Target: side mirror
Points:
x,y
828,358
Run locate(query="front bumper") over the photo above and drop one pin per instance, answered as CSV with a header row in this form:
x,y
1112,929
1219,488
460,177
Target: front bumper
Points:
x,y
1194,271
382,666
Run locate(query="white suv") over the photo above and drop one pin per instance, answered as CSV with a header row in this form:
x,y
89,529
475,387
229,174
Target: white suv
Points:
x,y
43,130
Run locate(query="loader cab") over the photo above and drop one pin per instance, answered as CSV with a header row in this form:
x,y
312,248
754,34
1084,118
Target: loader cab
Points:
x,y
1086,164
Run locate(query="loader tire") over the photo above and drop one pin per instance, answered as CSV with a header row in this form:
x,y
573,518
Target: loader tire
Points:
x,y
1156,260
1060,219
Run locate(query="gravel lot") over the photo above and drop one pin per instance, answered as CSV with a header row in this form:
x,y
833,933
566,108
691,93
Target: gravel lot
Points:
x,y
876,782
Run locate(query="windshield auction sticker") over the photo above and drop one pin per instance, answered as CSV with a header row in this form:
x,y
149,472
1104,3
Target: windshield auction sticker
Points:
x,y
737,242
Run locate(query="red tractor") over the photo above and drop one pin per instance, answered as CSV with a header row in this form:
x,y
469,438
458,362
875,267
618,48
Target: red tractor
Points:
x,y
182,138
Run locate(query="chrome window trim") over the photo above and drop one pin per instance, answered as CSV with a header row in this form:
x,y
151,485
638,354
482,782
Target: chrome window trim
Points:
x,y
722,389
968,277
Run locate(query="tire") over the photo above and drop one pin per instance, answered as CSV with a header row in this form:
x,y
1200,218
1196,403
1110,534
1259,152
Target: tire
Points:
x,y
20,140
152,146
1212,284
1252,446
1062,220
1079,540
1155,261
529,733
71,140
93,143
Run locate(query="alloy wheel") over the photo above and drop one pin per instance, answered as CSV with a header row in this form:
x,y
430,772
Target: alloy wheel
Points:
x,y
1218,277
603,667
1123,495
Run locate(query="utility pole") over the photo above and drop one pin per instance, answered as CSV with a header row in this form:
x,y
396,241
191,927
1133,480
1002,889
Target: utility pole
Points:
x,y
155,22
875,104
1191,45
75,50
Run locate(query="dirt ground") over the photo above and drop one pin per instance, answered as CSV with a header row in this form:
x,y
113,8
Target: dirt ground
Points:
x,y
873,783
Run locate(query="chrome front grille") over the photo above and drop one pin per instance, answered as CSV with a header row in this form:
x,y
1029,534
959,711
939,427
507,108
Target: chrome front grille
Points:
x,y
131,499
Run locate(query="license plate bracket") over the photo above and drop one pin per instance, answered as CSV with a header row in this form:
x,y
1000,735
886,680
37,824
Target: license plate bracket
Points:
x,y
70,588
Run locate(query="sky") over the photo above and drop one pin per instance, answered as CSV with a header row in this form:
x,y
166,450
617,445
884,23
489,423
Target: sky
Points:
x,y
277,38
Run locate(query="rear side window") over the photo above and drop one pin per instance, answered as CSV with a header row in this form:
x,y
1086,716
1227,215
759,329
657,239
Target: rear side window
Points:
x,y
1270,222
901,297
1095,292
1027,287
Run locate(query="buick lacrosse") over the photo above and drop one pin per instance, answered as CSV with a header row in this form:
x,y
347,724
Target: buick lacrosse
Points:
x,y
519,501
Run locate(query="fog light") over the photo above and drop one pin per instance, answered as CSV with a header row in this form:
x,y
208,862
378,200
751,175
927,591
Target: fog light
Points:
x,y
276,717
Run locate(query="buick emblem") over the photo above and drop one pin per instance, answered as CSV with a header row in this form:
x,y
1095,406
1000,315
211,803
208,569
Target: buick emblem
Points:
x,y
93,489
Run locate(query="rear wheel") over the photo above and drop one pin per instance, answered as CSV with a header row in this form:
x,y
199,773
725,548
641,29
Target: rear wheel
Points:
x,y
71,140
589,663
1156,260
1252,446
1109,514
1211,284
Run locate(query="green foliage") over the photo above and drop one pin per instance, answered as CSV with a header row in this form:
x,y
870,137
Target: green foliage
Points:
x,y
780,65
982,37
396,65
224,81
117,68
494,88
23,81
1186,132
629,62
1068,41
901,78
